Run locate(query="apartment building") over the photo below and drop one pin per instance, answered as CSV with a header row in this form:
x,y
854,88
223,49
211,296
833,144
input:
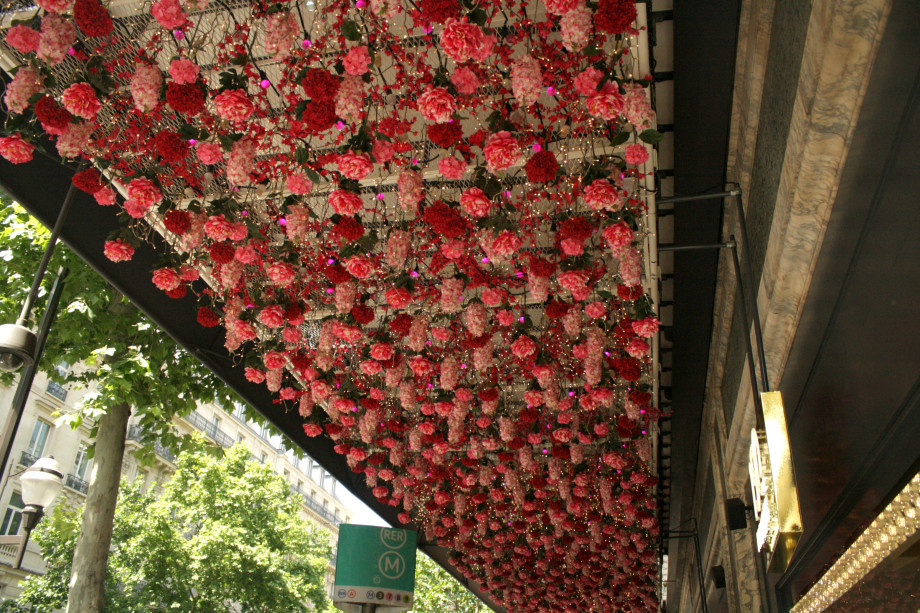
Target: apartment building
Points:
x,y
45,431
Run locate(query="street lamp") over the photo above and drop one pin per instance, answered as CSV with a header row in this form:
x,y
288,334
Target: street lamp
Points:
x,y
17,347
40,483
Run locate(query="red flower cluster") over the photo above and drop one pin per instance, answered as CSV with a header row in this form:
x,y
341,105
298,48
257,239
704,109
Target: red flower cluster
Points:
x,y
171,146
92,18
615,16
53,117
221,253
577,228
445,220
363,314
176,221
348,228
207,317
319,116
445,134
185,98
89,180
439,11
319,84
541,167
540,267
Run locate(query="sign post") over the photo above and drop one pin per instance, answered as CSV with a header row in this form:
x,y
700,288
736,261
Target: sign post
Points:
x,y
375,569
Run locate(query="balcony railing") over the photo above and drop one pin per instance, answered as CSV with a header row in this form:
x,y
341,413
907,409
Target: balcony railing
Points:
x,y
136,433
318,508
210,429
76,483
27,459
56,390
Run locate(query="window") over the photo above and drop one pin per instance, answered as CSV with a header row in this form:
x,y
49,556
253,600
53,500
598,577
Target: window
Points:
x,y
81,463
13,516
299,485
332,483
264,457
322,477
325,505
39,438
239,411
240,438
312,494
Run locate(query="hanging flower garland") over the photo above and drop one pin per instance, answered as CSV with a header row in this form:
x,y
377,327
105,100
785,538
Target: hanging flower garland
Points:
x,y
421,224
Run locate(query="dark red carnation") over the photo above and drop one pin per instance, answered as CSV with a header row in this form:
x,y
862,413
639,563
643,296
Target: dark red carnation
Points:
x,y
319,116
445,134
393,127
438,11
489,394
628,368
337,274
540,267
177,292
400,324
171,146
187,98
556,309
348,228
445,220
639,397
221,253
53,117
92,18
615,16
541,167
630,293
577,227
475,342
363,314
177,222
320,84
561,452
207,317
89,180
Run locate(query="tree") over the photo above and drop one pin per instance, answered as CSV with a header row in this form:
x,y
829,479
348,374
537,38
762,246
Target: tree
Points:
x,y
131,363
224,532
438,592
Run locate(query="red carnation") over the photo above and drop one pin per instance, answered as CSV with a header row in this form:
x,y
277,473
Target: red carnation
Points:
x,y
177,222
439,11
363,314
177,292
337,274
221,253
445,134
542,268
640,397
320,85
630,293
207,317
92,18
185,98
489,394
400,324
578,228
89,180
393,127
541,167
615,16
628,368
445,220
53,117
349,228
171,146
319,116
556,309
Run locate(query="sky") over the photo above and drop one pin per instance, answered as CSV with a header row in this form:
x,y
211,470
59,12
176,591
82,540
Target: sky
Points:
x,y
361,513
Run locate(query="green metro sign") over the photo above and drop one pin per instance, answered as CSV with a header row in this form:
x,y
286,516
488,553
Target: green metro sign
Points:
x,y
375,565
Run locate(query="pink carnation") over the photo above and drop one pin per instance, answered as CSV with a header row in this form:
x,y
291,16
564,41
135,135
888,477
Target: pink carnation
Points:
x,y
25,84
241,162
560,7
183,71
14,149
586,82
647,327
383,151
524,347
58,34
23,39
618,236
636,154
354,166
637,348
526,80
105,196
603,195
56,6
359,266
117,250
75,139
298,183
398,297
462,40
451,167
145,86
209,153
411,189
398,243
281,274
349,100
576,28
80,99
506,243
606,104
345,202
437,105
502,151
465,80
169,14
166,279
143,191
357,61
280,30
638,109
233,105
475,202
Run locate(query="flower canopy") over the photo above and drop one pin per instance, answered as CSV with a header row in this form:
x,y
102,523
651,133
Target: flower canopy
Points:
x,y
422,224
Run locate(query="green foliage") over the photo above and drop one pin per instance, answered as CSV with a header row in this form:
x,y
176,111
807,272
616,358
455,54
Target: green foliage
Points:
x,y
438,592
223,530
120,354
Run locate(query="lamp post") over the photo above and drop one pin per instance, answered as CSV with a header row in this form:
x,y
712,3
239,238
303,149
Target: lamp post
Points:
x,y
40,483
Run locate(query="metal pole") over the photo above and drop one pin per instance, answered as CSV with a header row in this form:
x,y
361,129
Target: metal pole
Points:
x,y
758,402
697,198
368,607
46,256
28,373
694,534
693,247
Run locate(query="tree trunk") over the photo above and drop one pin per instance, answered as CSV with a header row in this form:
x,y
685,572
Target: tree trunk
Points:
x,y
90,558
